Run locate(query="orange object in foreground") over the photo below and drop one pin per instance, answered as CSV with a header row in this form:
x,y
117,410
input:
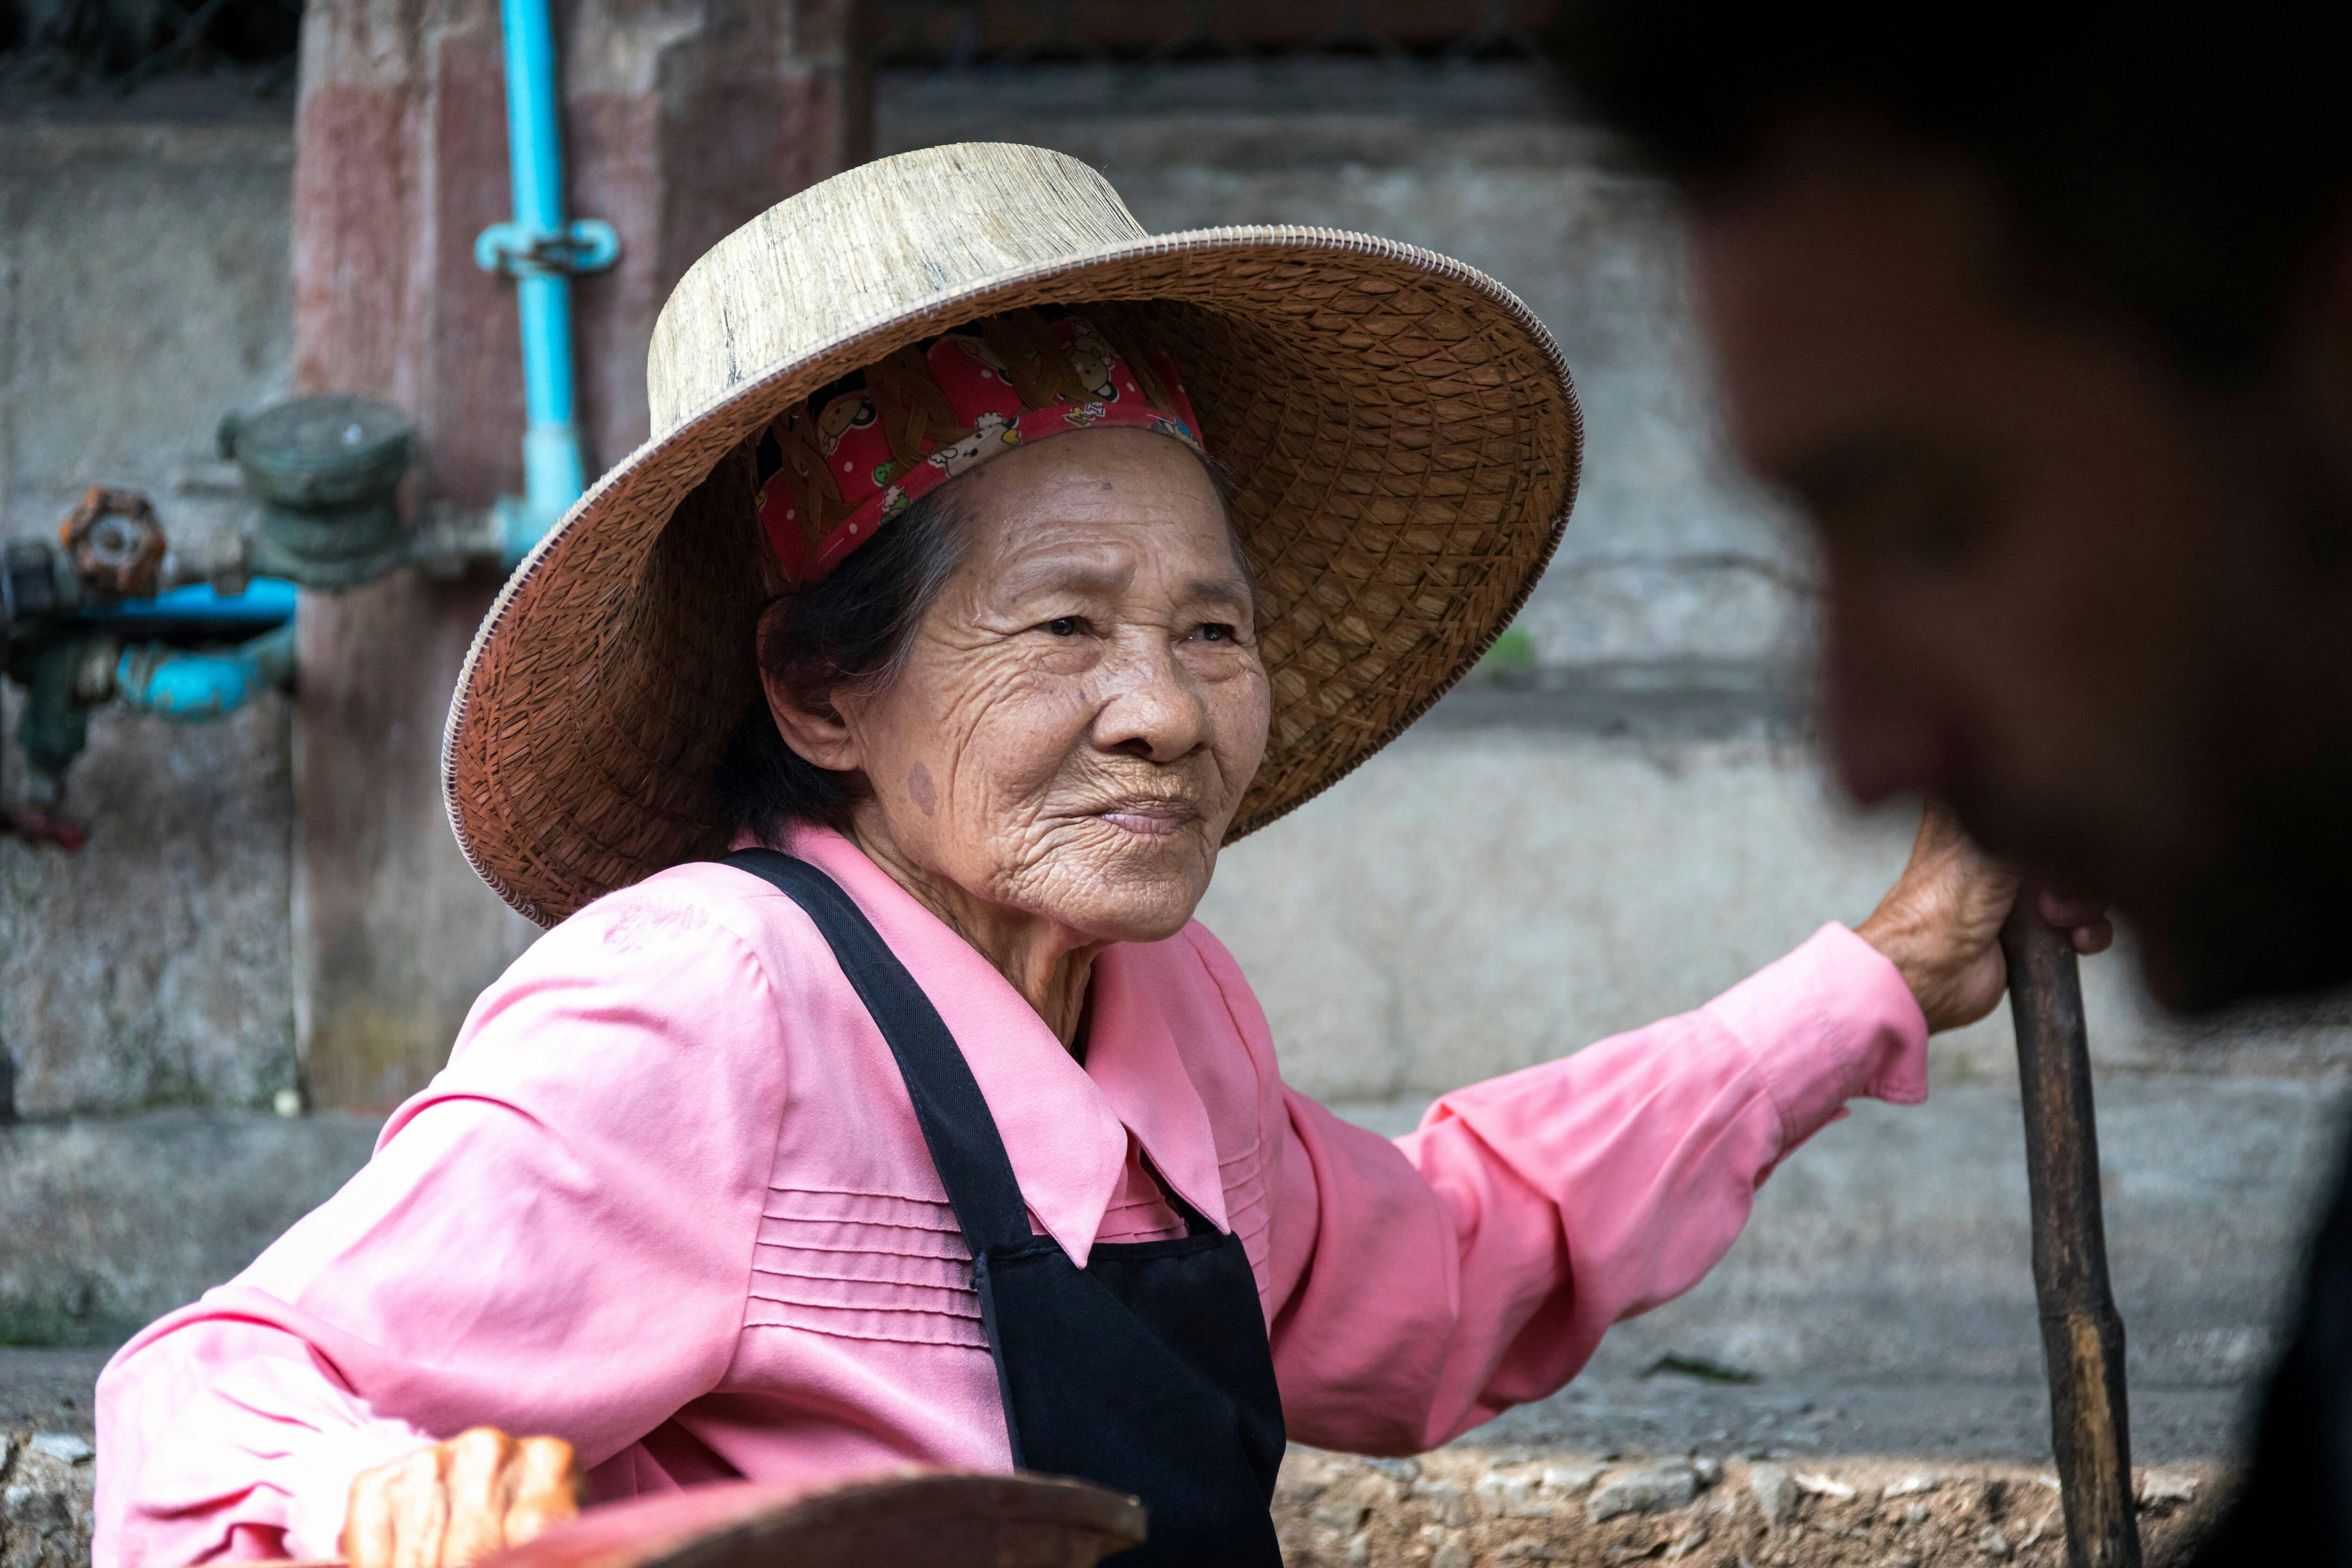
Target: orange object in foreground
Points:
x,y
936,1518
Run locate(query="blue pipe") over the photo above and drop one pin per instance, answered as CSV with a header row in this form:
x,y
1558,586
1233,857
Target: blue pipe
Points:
x,y
266,601
541,251
165,680
551,445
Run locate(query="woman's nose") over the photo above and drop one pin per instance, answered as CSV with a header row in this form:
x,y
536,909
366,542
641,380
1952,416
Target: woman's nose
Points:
x,y
1150,709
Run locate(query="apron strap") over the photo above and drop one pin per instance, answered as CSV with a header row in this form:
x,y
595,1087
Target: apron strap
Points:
x,y
954,1116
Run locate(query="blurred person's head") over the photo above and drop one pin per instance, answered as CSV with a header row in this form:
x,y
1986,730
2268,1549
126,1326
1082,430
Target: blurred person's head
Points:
x,y
2045,320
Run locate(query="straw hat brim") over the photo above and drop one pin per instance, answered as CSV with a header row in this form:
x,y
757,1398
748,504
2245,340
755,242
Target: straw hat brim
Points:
x,y
1405,443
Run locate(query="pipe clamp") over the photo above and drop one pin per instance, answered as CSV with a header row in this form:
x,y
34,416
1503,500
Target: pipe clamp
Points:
x,y
583,245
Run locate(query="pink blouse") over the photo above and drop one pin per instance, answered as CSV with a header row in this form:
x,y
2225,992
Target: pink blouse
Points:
x,y
668,1201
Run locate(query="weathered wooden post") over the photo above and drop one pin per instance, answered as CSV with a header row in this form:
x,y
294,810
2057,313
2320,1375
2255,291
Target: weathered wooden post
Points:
x,y
2082,1334
681,122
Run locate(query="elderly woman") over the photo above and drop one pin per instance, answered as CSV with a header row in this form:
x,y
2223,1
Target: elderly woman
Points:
x,y
1046,557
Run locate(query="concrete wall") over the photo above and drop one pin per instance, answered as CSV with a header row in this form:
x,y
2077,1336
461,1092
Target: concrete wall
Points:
x,y
113,1222
1539,887
1637,822
143,293
1613,835
1640,828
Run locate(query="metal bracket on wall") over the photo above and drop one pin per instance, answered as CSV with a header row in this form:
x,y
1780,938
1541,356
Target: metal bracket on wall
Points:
x,y
584,245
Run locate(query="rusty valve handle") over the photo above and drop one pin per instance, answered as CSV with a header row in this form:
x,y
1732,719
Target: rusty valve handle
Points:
x,y
114,542
2082,1336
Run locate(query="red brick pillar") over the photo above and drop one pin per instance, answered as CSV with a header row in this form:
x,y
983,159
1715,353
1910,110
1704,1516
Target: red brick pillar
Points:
x,y
680,122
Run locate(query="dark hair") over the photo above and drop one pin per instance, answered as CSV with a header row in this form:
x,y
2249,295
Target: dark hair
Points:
x,y
2178,165
849,630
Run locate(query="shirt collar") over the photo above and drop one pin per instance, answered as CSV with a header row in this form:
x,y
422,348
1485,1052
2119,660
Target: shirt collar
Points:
x,y
1134,1059
1065,1126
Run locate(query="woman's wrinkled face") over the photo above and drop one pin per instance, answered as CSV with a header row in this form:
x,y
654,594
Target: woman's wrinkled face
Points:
x,y
1082,705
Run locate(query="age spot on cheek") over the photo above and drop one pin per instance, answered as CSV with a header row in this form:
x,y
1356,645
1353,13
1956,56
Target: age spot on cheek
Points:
x,y
919,786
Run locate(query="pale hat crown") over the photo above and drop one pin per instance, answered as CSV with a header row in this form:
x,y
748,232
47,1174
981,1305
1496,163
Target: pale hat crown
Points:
x,y
864,247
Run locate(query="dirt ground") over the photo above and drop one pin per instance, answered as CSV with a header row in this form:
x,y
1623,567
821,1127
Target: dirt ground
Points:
x,y
1464,1509
1472,1509
1528,1490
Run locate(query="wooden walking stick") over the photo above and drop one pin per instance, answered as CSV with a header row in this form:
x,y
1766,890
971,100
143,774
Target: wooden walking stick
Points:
x,y
2082,1337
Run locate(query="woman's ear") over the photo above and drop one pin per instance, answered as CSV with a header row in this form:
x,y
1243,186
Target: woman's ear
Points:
x,y
815,732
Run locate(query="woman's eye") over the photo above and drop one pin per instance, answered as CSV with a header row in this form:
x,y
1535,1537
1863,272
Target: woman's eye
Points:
x,y
1217,631
1064,626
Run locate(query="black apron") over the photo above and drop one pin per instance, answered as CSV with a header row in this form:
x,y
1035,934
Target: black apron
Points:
x,y
1147,1371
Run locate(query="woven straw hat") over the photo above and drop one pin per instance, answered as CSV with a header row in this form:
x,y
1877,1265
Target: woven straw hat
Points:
x,y
1401,432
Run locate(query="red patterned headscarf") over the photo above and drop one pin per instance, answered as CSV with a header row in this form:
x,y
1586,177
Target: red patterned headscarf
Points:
x,y
849,459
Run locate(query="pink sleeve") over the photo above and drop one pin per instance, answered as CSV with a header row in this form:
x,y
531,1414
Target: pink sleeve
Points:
x,y
511,1257
1423,1286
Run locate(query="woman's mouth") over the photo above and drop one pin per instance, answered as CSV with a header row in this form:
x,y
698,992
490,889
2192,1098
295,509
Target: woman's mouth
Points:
x,y
1151,818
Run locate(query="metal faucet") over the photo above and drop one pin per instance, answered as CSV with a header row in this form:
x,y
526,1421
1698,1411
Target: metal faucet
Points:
x,y
113,612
